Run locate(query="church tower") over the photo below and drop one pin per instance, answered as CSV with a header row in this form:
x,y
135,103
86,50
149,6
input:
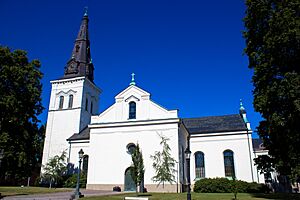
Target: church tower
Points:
x,y
74,97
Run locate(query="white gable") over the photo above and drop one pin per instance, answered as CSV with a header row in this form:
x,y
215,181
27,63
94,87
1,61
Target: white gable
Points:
x,y
145,108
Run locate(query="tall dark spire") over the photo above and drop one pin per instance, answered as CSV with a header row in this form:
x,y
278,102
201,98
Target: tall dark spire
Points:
x,y
80,63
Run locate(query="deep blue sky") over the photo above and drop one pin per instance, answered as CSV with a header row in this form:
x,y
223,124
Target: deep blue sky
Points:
x,y
187,54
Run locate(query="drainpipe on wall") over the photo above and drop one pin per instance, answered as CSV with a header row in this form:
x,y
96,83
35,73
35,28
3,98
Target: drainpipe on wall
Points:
x,y
68,160
250,155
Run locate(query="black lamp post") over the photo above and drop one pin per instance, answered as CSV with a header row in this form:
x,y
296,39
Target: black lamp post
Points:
x,y
77,192
188,159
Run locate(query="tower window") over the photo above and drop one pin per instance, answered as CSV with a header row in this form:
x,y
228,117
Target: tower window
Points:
x,y
77,48
86,104
70,101
91,107
229,164
132,110
61,102
199,164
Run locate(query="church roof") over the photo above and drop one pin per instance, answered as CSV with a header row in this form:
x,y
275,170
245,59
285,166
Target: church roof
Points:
x,y
215,124
82,135
258,144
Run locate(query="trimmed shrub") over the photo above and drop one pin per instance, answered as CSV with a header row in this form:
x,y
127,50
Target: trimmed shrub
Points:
x,y
216,185
224,185
117,189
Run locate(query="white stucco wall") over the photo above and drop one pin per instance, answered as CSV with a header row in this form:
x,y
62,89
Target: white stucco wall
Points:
x,y
112,131
108,154
213,146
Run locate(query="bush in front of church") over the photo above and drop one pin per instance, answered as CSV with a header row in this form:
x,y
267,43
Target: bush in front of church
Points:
x,y
224,185
213,185
72,181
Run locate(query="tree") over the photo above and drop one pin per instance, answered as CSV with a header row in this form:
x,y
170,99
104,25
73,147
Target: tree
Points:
x,y
272,39
55,169
163,164
20,104
137,169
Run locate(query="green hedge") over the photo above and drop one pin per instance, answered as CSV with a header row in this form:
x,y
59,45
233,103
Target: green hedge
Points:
x,y
224,185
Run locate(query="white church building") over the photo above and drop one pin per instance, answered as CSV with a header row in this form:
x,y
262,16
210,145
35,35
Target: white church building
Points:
x,y
221,146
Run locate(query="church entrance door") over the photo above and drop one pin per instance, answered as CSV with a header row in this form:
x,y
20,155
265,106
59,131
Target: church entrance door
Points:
x,y
129,183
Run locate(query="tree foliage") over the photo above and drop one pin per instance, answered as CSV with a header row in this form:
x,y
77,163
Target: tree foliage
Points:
x,y
164,164
264,163
272,39
55,169
137,168
20,104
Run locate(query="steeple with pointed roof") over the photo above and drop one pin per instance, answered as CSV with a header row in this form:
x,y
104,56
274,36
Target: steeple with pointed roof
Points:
x,y
80,63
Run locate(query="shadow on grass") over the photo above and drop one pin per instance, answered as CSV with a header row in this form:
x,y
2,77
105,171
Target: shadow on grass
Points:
x,y
277,196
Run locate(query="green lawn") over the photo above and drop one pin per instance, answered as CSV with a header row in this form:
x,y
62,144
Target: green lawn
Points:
x,y
203,196
8,191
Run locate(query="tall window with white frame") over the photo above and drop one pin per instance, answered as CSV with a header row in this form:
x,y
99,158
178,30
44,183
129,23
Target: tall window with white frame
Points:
x,y
70,101
229,164
61,102
199,165
132,110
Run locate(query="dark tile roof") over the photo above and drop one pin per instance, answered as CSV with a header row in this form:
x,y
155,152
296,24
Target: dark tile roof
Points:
x,y
215,124
257,144
82,135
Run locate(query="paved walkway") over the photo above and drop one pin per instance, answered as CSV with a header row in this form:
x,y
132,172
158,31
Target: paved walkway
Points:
x,y
60,195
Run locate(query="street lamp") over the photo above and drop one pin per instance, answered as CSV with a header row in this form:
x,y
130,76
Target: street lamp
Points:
x,y
188,159
77,193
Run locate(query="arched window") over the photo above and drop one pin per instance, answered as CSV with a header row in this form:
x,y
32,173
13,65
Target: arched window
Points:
x,y
91,107
132,110
61,102
229,164
70,101
85,164
86,104
199,164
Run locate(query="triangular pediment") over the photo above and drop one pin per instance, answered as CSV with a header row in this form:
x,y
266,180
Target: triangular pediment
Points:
x,y
133,92
146,109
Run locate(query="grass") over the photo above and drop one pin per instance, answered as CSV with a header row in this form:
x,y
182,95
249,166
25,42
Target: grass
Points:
x,y
9,191
204,196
